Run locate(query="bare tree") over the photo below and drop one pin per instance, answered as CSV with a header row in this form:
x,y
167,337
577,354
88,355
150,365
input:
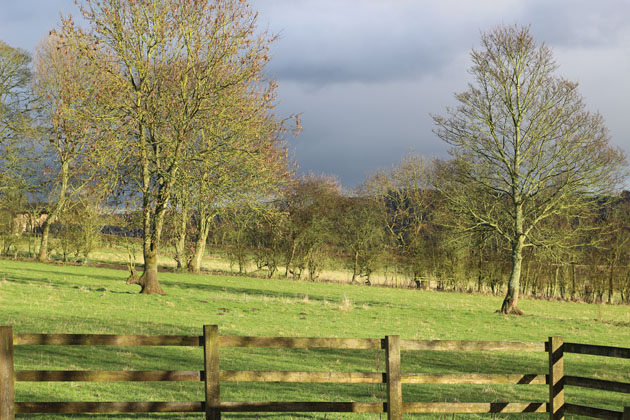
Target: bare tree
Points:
x,y
17,162
310,204
244,159
525,148
15,76
63,91
360,230
407,195
613,248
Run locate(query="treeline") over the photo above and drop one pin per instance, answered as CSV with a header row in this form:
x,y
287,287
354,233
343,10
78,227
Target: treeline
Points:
x,y
397,222
395,228
151,106
163,112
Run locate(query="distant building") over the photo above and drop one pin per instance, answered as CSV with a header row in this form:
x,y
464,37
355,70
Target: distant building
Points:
x,y
29,220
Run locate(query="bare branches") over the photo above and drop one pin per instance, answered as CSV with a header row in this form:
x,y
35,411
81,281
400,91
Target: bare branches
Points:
x,y
526,149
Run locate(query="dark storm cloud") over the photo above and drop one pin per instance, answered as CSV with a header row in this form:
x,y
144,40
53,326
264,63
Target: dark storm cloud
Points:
x,y
366,74
378,41
387,66
367,57
353,129
343,41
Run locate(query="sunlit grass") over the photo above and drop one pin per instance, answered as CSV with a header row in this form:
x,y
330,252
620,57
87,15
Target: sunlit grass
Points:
x,y
38,298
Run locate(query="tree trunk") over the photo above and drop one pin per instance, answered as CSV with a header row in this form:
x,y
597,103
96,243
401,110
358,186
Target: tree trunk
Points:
x,y
611,275
180,252
149,279
510,303
152,229
526,280
43,246
480,273
240,255
52,216
554,285
290,260
181,256
152,222
203,227
572,281
195,263
355,267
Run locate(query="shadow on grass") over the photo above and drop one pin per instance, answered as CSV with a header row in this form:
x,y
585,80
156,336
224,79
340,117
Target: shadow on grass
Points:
x,y
269,293
42,273
179,416
72,278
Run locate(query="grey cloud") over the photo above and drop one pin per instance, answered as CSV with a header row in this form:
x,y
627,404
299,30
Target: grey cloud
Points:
x,y
327,42
367,73
396,77
396,63
579,23
354,129
371,44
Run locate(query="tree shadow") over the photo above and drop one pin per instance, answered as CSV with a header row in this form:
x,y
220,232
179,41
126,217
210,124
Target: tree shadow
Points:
x,y
24,279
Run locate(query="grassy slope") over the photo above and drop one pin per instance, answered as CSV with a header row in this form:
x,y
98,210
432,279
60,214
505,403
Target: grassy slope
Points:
x,y
49,298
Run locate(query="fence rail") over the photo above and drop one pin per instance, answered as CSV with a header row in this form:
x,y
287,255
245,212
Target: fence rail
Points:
x,y
279,376
597,384
212,376
106,340
578,381
108,407
275,406
598,413
607,351
273,342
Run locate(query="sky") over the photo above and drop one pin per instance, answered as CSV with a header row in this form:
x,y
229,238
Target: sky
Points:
x,y
366,75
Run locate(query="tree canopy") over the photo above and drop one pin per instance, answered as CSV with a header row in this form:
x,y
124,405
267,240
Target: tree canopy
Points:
x,y
167,68
526,149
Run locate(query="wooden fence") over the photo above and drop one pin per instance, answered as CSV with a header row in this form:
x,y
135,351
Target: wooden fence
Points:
x,y
578,381
212,376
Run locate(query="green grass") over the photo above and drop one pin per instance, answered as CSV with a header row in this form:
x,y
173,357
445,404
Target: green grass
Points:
x,y
38,298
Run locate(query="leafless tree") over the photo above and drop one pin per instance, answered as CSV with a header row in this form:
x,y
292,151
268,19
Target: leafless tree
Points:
x,y
526,150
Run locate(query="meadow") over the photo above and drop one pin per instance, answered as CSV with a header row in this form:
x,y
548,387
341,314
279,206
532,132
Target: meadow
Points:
x,y
52,298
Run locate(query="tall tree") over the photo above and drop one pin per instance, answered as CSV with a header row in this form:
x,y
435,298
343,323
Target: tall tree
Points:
x,y
360,230
16,159
166,62
62,91
244,160
15,76
525,147
613,248
310,204
407,196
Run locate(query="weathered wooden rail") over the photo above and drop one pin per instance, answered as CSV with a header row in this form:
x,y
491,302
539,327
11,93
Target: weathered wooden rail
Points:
x,y
578,381
212,376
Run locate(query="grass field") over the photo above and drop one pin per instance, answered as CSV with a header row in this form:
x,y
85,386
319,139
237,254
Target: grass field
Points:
x,y
121,251
38,298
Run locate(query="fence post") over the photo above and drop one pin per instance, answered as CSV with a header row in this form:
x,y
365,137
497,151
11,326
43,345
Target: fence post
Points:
x,y
211,370
556,378
394,385
7,377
